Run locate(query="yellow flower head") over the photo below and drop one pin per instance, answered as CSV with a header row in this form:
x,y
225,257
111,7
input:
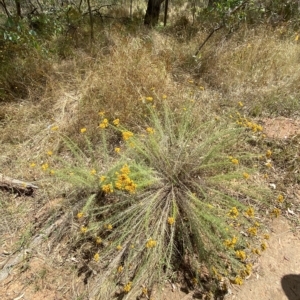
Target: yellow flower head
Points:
x,y
268,153
117,149
240,104
83,229
120,269
145,292
80,215
127,287
83,130
250,212
233,213
101,113
151,243
150,130
119,247
149,99
255,251
102,178
252,231
104,124
280,198
45,166
276,212
164,97
109,227
235,161
116,122
268,164
263,246
126,135
32,165
171,220
230,243
107,188
98,240
246,175
93,172
266,236
125,169
49,153
96,257
240,254
238,280
54,128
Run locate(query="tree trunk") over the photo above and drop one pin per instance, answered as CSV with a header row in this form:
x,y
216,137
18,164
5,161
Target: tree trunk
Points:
x,y
152,13
18,8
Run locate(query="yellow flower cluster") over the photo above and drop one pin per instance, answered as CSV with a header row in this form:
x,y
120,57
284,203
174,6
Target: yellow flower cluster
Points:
x,y
280,198
233,213
45,166
149,99
255,251
150,130
235,161
120,269
246,175
230,243
80,215
247,271
127,135
276,212
250,212
54,128
107,188
104,124
240,254
151,243
124,182
116,122
238,280
171,220
96,257
263,246
83,229
268,153
251,125
252,231
109,227
127,287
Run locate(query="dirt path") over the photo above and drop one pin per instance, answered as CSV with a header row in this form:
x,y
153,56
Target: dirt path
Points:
x,y
277,275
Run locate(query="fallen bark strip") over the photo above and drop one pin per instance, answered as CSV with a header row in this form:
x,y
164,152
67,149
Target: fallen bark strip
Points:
x,y
16,186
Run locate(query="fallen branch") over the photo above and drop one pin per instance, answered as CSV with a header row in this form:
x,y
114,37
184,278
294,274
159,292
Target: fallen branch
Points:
x,y
16,186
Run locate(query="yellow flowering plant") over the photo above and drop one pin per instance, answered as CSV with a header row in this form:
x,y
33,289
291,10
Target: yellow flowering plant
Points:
x,y
174,194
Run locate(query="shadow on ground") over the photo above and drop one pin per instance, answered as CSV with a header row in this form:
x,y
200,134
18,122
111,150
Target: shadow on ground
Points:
x,y
291,286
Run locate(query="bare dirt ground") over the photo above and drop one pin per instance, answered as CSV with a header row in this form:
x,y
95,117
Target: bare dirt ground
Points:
x,y
38,271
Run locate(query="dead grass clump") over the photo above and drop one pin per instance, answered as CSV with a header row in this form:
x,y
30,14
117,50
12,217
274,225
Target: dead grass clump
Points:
x,y
259,69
